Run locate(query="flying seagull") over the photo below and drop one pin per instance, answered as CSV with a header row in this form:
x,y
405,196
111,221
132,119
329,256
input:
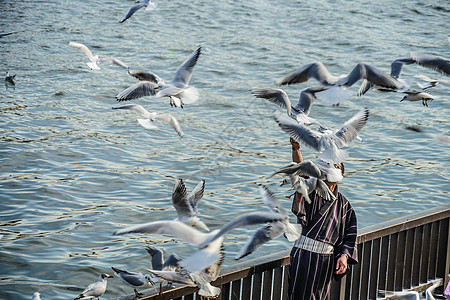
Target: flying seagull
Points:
x,y
134,279
299,112
315,174
150,117
96,289
139,4
36,296
9,33
318,71
209,243
186,204
444,139
329,142
10,78
417,96
432,62
270,230
178,91
95,60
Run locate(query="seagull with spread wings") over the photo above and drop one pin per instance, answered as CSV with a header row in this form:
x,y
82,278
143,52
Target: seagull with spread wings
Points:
x,y
299,112
95,60
178,91
271,230
150,118
328,143
149,5
337,85
186,204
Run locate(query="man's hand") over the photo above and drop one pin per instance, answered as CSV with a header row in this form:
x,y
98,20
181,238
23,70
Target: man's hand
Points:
x,y
295,144
341,265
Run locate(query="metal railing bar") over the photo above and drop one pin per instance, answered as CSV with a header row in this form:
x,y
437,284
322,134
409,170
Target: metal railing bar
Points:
x,y
418,238
374,268
433,249
425,259
365,270
400,261
277,283
236,290
409,253
247,288
356,276
267,285
256,288
390,278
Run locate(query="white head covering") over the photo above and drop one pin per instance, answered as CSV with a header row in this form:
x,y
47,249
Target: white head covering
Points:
x,y
333,174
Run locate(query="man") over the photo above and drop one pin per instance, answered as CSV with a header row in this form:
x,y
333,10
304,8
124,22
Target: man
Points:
x,y
327,244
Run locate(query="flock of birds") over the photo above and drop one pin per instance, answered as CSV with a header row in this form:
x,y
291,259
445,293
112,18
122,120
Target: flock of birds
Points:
x,y
203,266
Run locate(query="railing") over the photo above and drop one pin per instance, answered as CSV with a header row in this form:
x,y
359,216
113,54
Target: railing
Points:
x,y
403,254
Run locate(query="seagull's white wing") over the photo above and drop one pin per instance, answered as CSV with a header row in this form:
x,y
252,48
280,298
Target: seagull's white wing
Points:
x,y
146,76
276,96
270,200
307,98
350,129
174,228
171,120
134,9
112,61
184,71
300,133
138,90
136,107
373,75
174,276
433,62
304,168
180,201
245,220
316,70
264,234
85,49
196,195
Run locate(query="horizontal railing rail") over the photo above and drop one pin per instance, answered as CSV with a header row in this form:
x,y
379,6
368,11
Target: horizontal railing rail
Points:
x,y
402,254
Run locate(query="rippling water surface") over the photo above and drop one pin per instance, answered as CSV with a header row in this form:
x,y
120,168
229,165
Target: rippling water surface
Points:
x,y
73,170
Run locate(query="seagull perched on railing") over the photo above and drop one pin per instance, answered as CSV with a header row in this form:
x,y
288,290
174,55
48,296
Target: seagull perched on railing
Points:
x,y
150,117
134,279
96,289
201,279
159,264
329,142
139,4
95,60
178,91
